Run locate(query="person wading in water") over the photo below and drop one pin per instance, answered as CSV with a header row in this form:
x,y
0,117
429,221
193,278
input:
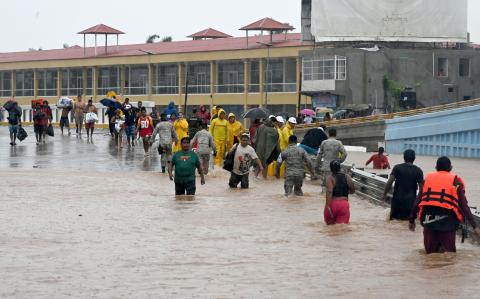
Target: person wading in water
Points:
x,y
339,186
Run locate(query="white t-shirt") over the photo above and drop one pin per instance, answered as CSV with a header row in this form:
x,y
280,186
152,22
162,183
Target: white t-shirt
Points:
x,y
244,157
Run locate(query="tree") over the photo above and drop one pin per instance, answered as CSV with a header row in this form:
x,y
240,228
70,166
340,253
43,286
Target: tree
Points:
x,y
151,38
167,39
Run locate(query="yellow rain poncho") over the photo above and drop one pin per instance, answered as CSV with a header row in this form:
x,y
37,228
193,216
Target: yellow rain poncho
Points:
x,y
234,131
287,131
181,128
219,131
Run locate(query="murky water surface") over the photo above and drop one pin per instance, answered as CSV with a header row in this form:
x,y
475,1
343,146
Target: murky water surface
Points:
x,y
90,221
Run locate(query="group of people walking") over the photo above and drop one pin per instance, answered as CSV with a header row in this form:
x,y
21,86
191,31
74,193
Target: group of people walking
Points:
x,y
438,201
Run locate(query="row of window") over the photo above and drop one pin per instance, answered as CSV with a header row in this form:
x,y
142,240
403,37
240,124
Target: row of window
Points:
x,y
463,67
325,68
280,76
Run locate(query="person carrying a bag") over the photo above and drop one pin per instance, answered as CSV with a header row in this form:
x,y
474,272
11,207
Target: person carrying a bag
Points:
x,y
243,157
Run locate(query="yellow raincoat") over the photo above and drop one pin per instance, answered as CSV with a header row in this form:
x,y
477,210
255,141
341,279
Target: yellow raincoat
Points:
x,y
181,128
234,130
219,131
285,134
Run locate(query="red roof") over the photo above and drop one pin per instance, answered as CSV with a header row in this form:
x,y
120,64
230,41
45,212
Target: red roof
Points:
x,y
267,24
191,46
101,29
209,33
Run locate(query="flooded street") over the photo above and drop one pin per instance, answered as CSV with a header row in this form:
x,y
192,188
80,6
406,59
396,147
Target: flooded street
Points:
x,y
85,220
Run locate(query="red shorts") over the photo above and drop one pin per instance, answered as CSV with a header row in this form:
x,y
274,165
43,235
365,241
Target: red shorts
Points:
x,y
144,132
89,125
339,212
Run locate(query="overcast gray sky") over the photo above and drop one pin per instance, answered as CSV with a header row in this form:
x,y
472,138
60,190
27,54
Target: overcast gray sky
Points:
x,y
51,23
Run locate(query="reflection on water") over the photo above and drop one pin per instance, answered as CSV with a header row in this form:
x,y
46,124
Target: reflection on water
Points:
x,y
134,238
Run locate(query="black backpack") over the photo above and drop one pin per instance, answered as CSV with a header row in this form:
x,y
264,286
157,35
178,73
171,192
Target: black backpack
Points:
x,y
229,160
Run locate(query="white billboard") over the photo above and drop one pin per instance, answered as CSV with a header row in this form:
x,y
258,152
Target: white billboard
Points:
x,y
390,20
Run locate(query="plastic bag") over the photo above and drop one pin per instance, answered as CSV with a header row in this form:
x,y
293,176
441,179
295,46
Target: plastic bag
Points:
x,y
91,117
50,131
22,134
229,160
119,124
64,102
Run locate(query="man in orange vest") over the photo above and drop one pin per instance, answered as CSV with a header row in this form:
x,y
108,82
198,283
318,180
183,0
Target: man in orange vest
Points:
x,y
441,207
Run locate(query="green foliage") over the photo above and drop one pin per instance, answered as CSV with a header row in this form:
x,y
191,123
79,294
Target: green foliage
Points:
x,y
393,87
151,39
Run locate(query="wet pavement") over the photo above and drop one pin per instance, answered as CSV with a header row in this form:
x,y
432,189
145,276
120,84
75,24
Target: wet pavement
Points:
x,y
92,221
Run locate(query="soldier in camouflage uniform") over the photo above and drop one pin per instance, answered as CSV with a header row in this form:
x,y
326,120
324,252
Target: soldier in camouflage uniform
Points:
x,y
205,145
295,159
330,150
168,136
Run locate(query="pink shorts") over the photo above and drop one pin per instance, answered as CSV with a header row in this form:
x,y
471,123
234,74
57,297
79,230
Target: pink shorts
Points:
x,y
339,212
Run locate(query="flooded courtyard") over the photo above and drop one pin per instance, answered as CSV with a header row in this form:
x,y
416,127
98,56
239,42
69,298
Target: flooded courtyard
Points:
x,y
87,220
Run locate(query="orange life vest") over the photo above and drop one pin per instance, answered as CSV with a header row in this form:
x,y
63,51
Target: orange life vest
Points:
x,y
440,190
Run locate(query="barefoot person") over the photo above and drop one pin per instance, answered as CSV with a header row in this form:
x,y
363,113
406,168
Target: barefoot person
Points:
x,y
185,162
90,121
64,119
14,122
119,121
339,186
78,111
145,129
129,113
39,122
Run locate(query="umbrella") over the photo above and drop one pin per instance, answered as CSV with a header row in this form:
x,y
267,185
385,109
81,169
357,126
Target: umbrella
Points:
x,y
110,103
257,113
308,112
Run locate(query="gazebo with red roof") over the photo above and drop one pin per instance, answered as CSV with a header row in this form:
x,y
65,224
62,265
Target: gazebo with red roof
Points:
x,y
267,24
209,33
100,29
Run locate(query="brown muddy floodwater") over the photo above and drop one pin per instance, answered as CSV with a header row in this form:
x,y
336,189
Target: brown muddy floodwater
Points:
x,y
123,235
83,220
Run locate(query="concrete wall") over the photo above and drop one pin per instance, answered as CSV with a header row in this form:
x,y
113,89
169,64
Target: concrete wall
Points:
x,y
307,20
453,133
409,67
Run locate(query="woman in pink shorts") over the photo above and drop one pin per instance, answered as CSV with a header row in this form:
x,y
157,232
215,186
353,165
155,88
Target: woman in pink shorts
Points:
x,y
339,186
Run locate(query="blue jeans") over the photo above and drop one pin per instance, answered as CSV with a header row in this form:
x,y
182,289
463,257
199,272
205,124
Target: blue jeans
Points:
x,y
308,149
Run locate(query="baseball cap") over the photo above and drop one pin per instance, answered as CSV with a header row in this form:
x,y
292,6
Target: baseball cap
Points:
x,y
280,119
292,120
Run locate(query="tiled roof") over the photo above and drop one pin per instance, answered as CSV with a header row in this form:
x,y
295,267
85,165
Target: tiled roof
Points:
x,y
209,33
267,24
192,46
101,29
